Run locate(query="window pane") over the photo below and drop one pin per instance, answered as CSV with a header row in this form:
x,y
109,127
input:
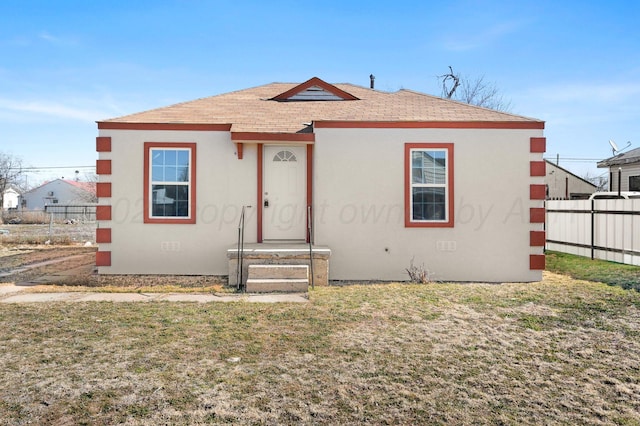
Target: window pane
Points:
x,y
170,165
428,167
170,157
170,200
157,173
183,158
634,183
157,157
429,203
182,174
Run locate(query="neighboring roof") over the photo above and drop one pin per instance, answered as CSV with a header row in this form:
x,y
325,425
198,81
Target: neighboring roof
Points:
x,y
628,157
85,186
274,108
570,173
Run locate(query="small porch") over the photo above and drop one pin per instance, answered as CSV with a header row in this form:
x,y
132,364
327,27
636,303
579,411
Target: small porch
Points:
x,y
284,254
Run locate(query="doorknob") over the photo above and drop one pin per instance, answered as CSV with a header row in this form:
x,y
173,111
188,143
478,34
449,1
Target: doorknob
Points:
x,y
266,203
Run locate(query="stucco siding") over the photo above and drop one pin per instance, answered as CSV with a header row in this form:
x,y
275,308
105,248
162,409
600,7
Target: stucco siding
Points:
x,y
224,184
359,205
562,184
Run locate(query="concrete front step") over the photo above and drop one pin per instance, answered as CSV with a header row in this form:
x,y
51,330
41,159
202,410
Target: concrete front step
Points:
x,y
266,285
279,271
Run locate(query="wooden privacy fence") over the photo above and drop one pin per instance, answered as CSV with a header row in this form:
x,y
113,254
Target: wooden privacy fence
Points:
x,y
74,211
600,229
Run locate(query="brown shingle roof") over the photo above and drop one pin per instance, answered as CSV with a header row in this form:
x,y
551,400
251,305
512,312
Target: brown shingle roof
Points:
x,y
253,110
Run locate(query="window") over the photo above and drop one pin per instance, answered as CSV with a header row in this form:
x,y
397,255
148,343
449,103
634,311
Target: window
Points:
x,y
285,156
634,183
169,182
429,185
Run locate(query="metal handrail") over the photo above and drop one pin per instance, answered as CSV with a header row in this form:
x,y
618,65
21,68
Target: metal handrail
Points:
x,y
240,249
310,237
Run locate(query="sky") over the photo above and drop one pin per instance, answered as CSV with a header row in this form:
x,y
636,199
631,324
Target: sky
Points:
x,y
66,64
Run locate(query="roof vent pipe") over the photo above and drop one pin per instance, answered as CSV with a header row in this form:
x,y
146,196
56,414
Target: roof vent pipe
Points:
x,y
372,78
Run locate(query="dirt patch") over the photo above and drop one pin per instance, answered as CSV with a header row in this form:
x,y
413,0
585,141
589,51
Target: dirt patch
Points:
x,y
23,264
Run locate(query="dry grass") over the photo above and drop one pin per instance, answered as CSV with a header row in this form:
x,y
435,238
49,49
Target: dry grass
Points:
x,y
557,352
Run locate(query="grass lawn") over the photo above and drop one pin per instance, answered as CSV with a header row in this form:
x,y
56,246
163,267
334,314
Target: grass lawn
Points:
x,y
583,268
560,351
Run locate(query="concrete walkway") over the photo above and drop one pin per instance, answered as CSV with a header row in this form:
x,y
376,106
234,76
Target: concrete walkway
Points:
x,y
17,294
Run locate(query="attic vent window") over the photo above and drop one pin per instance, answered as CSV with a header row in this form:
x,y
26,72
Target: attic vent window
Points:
x,y
314,89
285,156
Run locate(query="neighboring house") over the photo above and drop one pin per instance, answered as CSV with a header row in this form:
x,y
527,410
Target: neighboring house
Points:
x,y
10,198
391,178
623,168
59,192
564,185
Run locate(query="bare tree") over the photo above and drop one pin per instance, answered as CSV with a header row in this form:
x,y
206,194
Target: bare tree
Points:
x,y
600,181
10,173
476,91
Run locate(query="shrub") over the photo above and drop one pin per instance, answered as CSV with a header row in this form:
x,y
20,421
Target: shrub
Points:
x,y
419,274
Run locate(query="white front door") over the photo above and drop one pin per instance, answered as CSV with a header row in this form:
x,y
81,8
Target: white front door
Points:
x,y
284,193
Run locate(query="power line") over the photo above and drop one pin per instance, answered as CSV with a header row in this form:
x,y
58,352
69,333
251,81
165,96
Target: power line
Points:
x,y
53,167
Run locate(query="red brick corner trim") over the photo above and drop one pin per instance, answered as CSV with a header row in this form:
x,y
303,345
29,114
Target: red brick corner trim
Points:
x,y
536,215
103,167
103,144
537,238
103,235
103,213
103,258
538,145
537,192
537,168
103,189
536,262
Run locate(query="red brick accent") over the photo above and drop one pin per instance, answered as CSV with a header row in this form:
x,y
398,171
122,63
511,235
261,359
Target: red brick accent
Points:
x,y
536,262
103,235
239,147
538,144
103,258
103,213
537,168
103,167
103,189
536,215
537,192
103,144
537,238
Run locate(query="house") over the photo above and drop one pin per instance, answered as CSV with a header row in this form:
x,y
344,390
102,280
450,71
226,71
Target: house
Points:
x,y
564,185
624,169
58,192
10,198
385,179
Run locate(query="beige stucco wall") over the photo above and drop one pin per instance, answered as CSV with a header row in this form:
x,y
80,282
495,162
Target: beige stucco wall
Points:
x,y
224,185
358,194
490,237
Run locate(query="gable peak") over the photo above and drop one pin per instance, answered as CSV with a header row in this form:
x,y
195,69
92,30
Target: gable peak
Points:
x,y
314,89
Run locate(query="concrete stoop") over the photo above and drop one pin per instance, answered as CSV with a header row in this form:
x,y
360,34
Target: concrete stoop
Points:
x,y
277,278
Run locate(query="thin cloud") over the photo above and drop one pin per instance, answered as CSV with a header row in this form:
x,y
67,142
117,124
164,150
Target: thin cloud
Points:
x,y
482,38
607,93
56,40
46,109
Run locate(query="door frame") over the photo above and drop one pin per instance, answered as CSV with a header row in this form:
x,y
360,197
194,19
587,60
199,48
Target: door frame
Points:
x,y
309,177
